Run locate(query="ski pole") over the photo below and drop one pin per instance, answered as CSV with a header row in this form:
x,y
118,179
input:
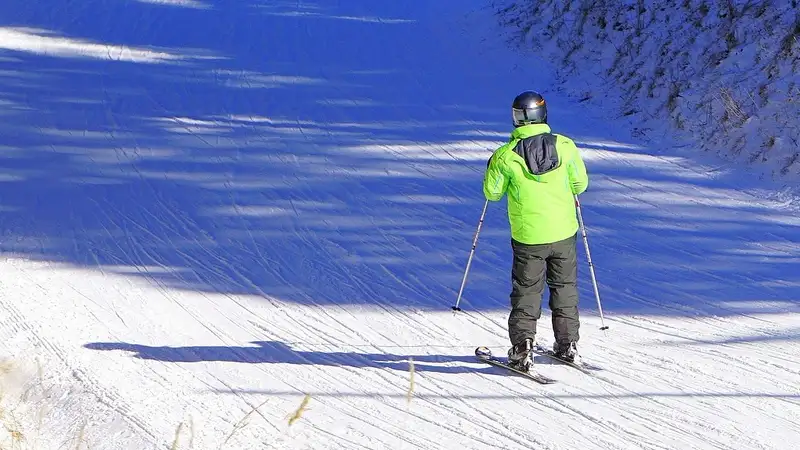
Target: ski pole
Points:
x,y
471,254
591,266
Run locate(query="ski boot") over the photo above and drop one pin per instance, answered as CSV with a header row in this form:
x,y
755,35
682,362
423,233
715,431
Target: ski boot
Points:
x,y
568,352
520,355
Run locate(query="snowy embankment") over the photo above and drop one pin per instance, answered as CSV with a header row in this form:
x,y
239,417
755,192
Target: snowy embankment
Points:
x,y
724,75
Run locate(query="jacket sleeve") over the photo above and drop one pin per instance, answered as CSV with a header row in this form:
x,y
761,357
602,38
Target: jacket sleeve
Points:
x,y
495,182
578,178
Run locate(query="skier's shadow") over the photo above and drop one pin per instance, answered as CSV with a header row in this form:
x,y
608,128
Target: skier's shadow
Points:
x,y
274,352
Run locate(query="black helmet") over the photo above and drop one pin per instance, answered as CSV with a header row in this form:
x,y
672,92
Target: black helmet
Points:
x,y
529,107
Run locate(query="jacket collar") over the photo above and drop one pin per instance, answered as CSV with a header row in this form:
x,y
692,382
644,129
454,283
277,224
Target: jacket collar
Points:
x,y
527,131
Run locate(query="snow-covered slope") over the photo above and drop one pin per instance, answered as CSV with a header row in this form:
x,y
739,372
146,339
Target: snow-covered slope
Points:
x,y
240,224
722,75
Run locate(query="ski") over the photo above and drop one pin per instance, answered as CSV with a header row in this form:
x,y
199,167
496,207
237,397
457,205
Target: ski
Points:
x,y
483,354
584,367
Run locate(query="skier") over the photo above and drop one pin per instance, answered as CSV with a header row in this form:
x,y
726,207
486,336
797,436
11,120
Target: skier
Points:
x,y
540,171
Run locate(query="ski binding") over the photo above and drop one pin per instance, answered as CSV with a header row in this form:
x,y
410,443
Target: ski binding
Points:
x,y
485,355
582,366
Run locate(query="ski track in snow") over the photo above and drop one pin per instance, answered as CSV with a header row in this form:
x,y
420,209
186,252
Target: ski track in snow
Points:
x,y
200,239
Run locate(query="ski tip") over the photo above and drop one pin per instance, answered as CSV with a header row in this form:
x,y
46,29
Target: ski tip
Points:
x,y
483,352
604,328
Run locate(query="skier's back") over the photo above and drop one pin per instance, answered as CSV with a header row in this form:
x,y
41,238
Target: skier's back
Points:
x,y
540,172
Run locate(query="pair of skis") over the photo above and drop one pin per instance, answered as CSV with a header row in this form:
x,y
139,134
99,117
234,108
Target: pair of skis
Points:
x,y
485,355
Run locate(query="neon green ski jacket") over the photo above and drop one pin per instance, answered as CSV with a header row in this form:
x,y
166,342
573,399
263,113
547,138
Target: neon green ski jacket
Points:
x,y
540,171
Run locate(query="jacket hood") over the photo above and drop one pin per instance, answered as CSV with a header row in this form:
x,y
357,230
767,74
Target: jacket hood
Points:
x,y
536,145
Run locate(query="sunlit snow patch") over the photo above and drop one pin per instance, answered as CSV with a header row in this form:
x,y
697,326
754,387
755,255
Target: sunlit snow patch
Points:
x,y
368,19
474,150
43,42
255,80
183,3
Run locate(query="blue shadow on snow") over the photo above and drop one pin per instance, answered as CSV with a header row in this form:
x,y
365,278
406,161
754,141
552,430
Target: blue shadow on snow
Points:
x,y
273,352
321,155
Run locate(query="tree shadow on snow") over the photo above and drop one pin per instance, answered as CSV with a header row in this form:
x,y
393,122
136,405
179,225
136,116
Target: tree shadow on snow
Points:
x,y
324,156
238,159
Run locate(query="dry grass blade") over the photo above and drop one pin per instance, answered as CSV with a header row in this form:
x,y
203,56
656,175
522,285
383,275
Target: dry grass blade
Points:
x,y
6,367
81,436
174,445
9,422
299,412
17,437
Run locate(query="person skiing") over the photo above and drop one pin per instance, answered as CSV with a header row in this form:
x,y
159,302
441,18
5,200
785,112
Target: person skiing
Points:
x,y
540,172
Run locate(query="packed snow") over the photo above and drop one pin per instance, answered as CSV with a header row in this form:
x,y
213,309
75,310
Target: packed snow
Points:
x,y
244,224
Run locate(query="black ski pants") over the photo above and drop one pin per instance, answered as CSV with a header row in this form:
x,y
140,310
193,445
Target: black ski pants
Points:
x,y
556,264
